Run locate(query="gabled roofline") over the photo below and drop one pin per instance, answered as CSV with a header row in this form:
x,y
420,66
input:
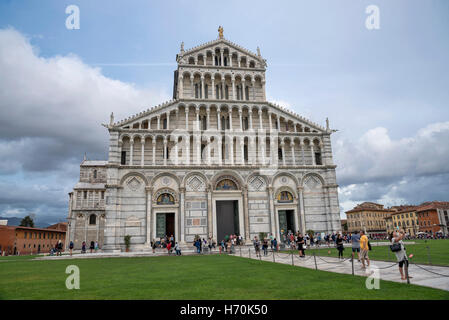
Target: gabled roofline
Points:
x,y
294,114
228,42
143,113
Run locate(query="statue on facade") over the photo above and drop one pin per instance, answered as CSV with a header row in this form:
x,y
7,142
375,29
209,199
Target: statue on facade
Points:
x,y
111,120
220,32
182,46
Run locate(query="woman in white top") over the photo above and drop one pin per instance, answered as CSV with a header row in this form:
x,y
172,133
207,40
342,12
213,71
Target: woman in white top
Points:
x,y
401,255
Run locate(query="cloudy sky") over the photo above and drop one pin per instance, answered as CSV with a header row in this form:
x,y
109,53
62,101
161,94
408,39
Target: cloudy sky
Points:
x,y
385,90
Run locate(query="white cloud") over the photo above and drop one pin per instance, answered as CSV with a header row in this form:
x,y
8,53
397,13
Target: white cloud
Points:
x,y
51,113
393,172
53,107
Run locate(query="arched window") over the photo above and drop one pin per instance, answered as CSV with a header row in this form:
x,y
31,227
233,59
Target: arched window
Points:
x,y
164,123
203,146
246,93
165,198
285,197
95,174
92,219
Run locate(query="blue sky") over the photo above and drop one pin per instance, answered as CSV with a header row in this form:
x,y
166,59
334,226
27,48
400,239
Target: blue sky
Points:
x,y
385,90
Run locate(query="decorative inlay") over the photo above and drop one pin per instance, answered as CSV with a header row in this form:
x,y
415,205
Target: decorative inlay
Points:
x,y
166,181
257,183
312,183
134,184
195,183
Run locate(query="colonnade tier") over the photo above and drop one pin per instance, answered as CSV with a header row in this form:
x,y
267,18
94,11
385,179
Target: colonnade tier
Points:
x,y
223,86
204,117
219,150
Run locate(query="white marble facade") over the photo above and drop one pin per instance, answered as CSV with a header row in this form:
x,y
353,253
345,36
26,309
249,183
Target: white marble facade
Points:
x,y
217,140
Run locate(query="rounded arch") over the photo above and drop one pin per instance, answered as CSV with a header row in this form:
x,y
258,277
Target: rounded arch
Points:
x,y
163,191
285,173
194,173
228,173
162,174
312,174
285,189
130,174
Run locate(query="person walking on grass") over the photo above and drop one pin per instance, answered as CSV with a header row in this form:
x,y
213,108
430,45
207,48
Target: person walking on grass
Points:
x,y
364,249
340,246
356,245
401,255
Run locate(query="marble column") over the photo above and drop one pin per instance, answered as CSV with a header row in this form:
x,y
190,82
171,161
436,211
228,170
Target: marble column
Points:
x,y
270,120
181,86
246,213
214,96
260,118
283,152
192,87
187,142
154,151
208,118
240,117
165,151
208,150
233,88
187,117
149,194
231,151
131,151
301,208
230,118
209,212
159,122
197,112
273,226
142,156
250,111
202,87
182,195
292,145
168,119
218,120
313,155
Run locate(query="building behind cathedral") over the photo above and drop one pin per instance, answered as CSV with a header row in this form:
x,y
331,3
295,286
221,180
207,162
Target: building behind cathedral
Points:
x,y
216,160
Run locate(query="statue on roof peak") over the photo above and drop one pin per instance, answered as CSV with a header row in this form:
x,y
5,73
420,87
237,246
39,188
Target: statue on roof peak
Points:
x,y
220,32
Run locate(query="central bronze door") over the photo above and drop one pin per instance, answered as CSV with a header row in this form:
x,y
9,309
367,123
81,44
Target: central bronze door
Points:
x,y
227,218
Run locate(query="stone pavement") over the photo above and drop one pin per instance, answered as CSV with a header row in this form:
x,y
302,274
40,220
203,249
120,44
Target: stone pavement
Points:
x,y
387,270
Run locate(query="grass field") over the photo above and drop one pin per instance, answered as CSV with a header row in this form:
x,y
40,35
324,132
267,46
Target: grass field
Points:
x,y
190,277
438,249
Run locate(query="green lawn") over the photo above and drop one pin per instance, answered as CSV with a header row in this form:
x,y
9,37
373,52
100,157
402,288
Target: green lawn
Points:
x,y
191,277
439,252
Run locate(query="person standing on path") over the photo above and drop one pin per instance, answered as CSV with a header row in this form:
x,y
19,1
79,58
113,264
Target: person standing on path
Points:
x,y
265,247
177,249
364,249
356,245
401,255
300,245
340,246
71,247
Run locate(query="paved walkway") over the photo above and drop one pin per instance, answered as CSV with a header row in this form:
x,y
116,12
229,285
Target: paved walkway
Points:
x,y
387,270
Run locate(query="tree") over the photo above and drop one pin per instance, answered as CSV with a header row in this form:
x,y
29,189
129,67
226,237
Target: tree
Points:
x,y
310,233
27,222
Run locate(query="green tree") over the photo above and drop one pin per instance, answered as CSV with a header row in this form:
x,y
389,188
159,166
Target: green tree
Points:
x,y
27,222
311,233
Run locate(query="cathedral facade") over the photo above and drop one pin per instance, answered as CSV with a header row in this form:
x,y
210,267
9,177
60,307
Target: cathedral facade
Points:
x,y
216,160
